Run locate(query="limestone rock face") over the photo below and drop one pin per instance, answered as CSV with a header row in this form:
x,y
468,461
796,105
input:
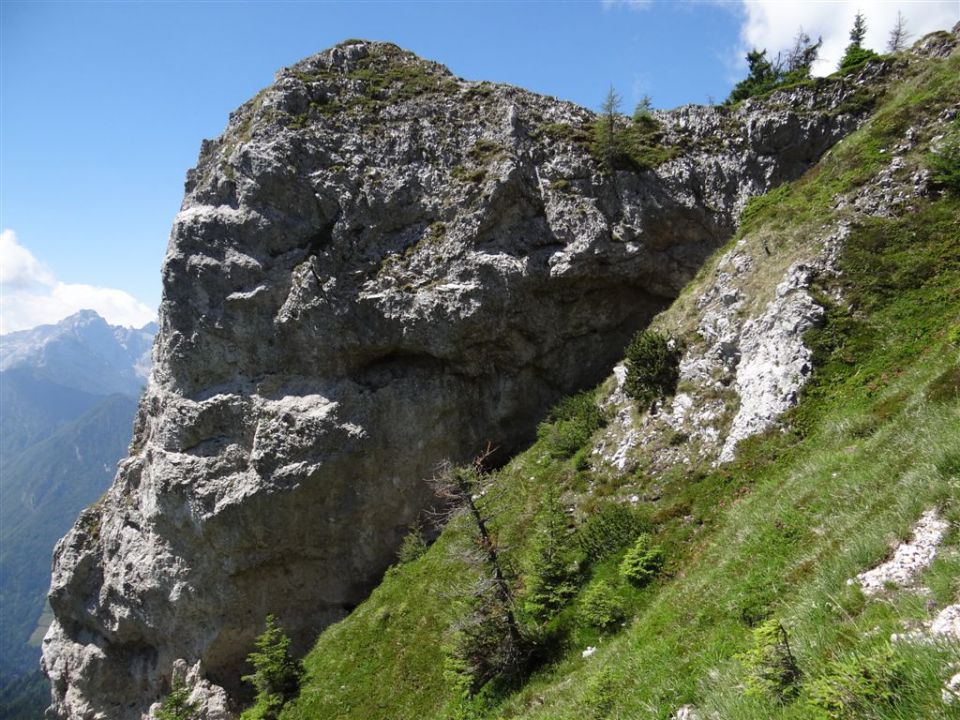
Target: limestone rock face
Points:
x,y
378,266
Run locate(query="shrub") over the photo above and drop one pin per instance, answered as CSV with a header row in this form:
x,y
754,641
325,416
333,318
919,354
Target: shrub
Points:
x,y
601,607
858,684
414,545
763,76
944,161
553,576
612,528
570,424
653,367
771,666
276,675
855,57
177,705
642,562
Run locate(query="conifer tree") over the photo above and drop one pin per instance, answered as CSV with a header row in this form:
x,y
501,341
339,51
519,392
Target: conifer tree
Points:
x,y
177,705
490,641
554,569
763,76
802,55
899,35
276,674
859,30
855,53
607,137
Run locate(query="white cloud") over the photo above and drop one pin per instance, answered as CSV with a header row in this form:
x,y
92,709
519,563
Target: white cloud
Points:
x,y
30,294
773,24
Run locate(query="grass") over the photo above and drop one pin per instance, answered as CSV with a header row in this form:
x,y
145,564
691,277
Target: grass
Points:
x,y
773,536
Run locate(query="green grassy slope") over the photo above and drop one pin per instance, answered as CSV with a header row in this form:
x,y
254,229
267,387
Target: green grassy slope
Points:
x,y
774,535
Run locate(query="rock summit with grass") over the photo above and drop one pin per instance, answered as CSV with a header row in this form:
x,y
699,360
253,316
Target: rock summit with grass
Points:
x,y
379,267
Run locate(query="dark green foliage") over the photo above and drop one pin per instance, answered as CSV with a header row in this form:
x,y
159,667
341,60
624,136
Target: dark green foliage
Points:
x,y
601,607
772,669
490,644
730,532
177,705
642,562
855,57
946,387
653,367
276,674
621,144
601,693
555,568
944,161
856,54
642,144
414,545
570,424
611,529
859,30
762,77
644,109
858,684
765,75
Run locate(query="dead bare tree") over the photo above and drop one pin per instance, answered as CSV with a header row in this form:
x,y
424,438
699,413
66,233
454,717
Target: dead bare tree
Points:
x,y
492,643
899,35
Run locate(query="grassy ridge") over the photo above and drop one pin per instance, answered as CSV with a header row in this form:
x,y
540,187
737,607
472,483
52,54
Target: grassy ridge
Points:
x,y
774,535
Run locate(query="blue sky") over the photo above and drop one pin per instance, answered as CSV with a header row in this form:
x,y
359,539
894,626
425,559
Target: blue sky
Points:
x,y
104,104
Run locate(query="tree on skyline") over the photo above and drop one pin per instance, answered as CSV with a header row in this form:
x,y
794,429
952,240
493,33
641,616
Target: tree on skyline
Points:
x,y
899,35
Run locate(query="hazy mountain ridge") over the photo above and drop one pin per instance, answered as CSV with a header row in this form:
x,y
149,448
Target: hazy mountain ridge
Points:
x,y
68,393
83,352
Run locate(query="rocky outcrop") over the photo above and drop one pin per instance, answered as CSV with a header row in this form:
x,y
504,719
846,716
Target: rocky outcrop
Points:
x,y
378,266
746,362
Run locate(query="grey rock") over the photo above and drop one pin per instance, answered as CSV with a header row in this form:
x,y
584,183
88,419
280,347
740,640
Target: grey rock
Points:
x,y
377,267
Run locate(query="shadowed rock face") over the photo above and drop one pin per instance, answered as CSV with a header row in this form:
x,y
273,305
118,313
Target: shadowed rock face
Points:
x,y
377,267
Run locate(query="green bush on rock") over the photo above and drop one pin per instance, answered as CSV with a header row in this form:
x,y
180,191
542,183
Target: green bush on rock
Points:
x,y
653,367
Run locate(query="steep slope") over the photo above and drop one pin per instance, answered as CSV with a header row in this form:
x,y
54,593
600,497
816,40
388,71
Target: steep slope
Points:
x,y
379,266
44,489
853,271
33,407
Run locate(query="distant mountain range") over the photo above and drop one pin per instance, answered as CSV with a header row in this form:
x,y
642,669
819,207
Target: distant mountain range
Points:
x,y
68,396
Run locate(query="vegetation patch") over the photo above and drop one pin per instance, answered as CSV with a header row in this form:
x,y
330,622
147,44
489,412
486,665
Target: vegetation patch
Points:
x,y
653,367
570,424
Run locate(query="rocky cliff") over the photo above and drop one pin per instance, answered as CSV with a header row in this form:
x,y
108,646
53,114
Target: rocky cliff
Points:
x,y
376,267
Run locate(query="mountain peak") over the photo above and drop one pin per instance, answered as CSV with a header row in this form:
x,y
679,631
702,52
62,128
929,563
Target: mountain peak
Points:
x,y
84,352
